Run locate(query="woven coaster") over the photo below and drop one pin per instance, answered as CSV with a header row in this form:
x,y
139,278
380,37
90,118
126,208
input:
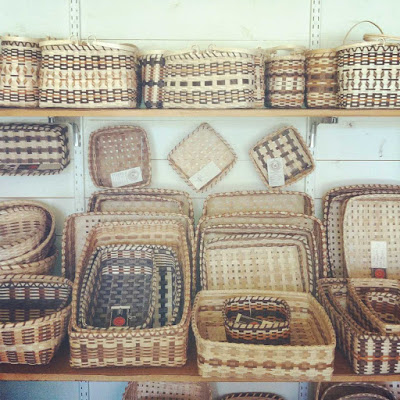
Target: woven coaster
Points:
x,y
286,150
203,158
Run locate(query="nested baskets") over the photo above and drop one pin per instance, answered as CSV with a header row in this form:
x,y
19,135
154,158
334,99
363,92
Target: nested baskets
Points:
x,y
257,320
88,74
159,346
252,396
282,158
19,72
34,314
167,391
213,78
33,149
321,78
309,355
285,75
368,72
119,156
353,390
202,158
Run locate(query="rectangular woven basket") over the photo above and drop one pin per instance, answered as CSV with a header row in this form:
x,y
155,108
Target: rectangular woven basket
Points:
x,y
19,72
309,356
33,149
164,346
88,74
34,314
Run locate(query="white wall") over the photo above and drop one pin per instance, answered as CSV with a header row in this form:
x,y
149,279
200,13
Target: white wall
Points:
x,y
356,150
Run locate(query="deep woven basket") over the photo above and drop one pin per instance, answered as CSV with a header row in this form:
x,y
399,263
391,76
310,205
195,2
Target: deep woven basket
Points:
x,y
252,396
285,77
119,148
273,314
34,314
19,72
287,144
321,78
352,390
33,149
167,391
368,72
78,74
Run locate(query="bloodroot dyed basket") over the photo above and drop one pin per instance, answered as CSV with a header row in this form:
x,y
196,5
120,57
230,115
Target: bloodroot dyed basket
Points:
x,y
34,314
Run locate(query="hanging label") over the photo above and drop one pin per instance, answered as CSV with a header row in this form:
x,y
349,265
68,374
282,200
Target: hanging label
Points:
x,y
276,176
120,316
378,259
205,175
126,177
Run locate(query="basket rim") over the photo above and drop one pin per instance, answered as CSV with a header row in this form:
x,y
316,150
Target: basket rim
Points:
x,y
14,38
367,44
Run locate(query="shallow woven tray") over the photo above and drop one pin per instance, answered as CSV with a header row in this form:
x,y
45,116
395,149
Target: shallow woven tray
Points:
x,y
165,346
335,391
258,200
34,313
368,218
178,195
118,148
167,391
309,356
118,275
252,396
332,202
286,143
368,353
196,151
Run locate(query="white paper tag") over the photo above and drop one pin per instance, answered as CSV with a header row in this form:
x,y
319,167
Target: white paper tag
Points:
x,y
202,177
378,254
126,177
276,176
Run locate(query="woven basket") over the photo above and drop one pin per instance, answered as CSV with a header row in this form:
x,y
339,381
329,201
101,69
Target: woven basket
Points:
x,y
333,210
118,275
42,249
321,78
19,72
165,346
167,391
352,390
308,357
252,396
368,353
22,229
152,64
258,201
182,197
285,144
77,226
285,77
214,78
42,267
34,313
368,71
273,315
33,149
78,74
119,156
202,158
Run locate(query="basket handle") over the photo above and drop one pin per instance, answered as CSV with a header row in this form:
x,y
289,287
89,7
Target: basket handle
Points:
x,y
359,23
286,47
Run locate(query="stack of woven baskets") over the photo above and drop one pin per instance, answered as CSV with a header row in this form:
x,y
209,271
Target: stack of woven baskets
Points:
x,y
362,297
34,307
261,254
130,258
355,390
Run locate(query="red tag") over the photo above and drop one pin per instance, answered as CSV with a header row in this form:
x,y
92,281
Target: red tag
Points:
x,y
119,321
379,273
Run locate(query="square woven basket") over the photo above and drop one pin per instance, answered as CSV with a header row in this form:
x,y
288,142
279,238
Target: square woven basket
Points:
x,y
202,158
286,143
119,149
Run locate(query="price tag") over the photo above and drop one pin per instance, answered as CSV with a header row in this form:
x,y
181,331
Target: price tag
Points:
x,y
205,175
276,176
378,259
126,177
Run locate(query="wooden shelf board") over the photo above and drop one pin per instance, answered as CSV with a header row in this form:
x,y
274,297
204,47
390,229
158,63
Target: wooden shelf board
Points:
x,y
168,113
59,370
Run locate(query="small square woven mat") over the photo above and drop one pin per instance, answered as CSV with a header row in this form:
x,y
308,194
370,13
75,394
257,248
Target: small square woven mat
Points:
x,y
198,151
287,144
